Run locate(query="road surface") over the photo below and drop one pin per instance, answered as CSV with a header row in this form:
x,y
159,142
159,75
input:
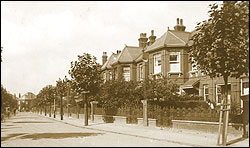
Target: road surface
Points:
x,y
32,130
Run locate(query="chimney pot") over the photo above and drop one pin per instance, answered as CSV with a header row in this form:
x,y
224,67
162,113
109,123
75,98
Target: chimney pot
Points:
x,y
181,22
177,21
152,32
104,58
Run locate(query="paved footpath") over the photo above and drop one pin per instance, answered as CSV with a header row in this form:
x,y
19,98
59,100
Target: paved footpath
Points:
x,y
30,129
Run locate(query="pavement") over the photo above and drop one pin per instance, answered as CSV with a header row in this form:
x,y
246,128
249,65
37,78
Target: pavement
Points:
x,y
186,137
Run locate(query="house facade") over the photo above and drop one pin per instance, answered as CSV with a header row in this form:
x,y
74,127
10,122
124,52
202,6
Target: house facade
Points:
x,y
168,56
24,102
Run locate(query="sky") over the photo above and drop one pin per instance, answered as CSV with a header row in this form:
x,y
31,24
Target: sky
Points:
x,y
41,38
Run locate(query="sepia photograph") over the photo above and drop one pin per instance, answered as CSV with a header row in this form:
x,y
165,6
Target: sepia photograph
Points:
x,y
124,73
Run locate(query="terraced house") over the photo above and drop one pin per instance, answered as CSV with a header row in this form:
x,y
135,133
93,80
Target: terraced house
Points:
x,y
168,56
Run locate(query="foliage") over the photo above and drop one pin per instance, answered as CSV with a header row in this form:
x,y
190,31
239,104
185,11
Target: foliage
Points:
x,y
7,100
85,74
45,97
221,44
182,101
119,93
61,87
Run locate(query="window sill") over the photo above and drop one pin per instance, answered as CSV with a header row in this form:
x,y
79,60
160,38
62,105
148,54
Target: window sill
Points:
x,y
172,72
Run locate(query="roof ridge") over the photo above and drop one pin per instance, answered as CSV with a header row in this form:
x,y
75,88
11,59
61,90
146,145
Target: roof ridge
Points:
x,y
119,56
165,38
131,57
177,37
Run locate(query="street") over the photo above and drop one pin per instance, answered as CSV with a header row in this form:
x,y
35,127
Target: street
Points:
x,y
32,130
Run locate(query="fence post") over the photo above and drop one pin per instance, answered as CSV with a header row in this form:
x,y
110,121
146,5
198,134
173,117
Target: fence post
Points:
x,y
145,116
93,106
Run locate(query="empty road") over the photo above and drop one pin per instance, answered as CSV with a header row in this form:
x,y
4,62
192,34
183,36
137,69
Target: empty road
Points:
x,y
32,130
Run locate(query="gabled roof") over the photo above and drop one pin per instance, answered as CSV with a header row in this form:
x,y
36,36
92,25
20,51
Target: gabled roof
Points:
x,y
139,58
171,38
128,54
107,64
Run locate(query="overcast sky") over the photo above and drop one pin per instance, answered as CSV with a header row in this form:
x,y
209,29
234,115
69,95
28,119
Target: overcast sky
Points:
x,y
40,39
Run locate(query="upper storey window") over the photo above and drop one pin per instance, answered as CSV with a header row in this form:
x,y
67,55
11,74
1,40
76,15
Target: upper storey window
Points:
x,y
175,62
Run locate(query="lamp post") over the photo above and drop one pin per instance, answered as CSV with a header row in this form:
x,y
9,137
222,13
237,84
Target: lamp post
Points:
x,y
85,108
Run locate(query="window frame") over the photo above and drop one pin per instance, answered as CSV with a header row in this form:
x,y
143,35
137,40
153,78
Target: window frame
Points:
x,y
123,69
140,72
177,62
206,96
110,75
216,92
104,76
156,63
242,89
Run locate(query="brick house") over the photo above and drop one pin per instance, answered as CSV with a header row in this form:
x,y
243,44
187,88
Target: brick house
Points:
x,y
107,70
168,56
123,64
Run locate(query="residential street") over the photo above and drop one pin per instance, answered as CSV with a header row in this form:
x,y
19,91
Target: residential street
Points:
x,y
28,129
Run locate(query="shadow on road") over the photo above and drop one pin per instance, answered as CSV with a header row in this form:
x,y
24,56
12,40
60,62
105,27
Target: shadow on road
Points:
x,y
8,125
10,136
32,122
37,136
29,117
2,128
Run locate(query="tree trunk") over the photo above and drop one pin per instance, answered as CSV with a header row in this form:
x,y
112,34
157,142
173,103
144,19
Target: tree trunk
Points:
x,y
77,110
45,111
226,113
50,109
85,110
61,109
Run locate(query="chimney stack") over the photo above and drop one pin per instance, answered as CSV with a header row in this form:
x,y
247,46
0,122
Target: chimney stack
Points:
x,y
143,40
151,38
118,51
104,58
179,26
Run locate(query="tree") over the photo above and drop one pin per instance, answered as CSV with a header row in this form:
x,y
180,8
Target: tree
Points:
x,y
61,92
50,96
85,77
221,44
7,100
